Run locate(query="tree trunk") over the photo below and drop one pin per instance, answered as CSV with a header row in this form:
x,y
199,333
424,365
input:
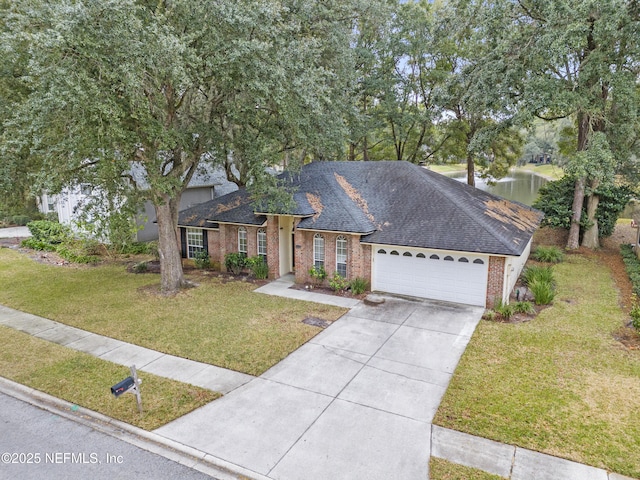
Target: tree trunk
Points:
x,y
590,238
578,199
471,172
171,274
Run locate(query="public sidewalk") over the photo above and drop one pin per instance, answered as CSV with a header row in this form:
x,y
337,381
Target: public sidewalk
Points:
x,y
188,371
507,461
280,288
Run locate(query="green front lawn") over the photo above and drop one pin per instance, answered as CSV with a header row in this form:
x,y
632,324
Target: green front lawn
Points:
x,y
559,384
221,323
86,381
440,469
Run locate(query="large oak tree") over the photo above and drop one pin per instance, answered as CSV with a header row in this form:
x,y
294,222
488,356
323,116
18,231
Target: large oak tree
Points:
x,y
133,96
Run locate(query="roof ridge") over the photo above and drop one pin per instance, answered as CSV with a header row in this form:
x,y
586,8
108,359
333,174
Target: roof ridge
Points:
x,y
333,188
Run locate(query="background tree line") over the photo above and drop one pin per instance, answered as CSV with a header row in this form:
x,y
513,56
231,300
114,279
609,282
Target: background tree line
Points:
x,y
93,90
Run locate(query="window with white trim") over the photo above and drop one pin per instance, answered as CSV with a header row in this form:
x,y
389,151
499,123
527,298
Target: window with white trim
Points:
x,y
341,256
242,240
318,250
194,242
262,243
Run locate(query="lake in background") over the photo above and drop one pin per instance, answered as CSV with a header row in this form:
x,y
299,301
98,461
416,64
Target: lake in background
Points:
x,y
519,186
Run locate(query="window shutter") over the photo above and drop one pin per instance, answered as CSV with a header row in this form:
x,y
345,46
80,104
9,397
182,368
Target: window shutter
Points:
x,y
205,240
183,242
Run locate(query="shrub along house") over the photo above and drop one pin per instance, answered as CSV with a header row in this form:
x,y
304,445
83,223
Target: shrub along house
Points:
x,y
404,229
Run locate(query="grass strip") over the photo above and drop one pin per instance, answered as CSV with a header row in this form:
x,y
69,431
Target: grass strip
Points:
x,y
440,469
559,384
84,380
220,322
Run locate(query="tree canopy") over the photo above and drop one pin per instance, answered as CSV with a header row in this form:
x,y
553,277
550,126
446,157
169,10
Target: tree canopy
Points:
x,y
134,96
148,91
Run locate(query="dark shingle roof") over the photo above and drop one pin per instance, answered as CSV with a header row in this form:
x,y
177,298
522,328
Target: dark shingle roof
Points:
x,y
395,203
235,207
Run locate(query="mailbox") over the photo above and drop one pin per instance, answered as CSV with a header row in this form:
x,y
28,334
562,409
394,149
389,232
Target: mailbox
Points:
x,y
123,387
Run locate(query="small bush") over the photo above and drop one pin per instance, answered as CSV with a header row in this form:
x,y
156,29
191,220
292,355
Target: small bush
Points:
x,y
202,259
506,310
34,244
52,233
318,273
632,264
524,307
140,267
259,267
338,283
21,220
138,248
75,253
489,315
550,254
538,273
635,316
235,262
543,291
358,286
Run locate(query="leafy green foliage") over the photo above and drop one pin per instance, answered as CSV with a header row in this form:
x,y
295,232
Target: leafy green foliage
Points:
x,y
235,262
555,200
549,254
77,252
541,282
524,307
537,273
133,97
338,283
202,259
258,266
506,310
138,248
52,233
358,285
318,273
635,316
543,291
632,265
141,267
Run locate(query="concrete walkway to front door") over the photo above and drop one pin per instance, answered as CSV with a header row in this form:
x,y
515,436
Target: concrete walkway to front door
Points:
x,y
354,402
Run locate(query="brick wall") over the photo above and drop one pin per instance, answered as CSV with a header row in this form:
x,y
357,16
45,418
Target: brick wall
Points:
x,y
495,283
273,246
213,243
358,255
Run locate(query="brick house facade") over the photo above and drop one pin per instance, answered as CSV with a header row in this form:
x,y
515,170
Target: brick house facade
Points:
x,y
401,228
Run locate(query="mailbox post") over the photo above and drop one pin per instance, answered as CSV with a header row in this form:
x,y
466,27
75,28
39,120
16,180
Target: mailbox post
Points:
x,y
129,385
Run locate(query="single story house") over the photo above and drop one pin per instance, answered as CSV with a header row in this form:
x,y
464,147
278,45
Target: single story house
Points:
x,y
403,228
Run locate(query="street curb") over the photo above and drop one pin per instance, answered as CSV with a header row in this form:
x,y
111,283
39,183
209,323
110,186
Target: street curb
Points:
x,y
152,442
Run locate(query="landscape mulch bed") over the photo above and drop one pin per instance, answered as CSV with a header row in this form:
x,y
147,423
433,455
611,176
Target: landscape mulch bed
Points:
x,y
327,290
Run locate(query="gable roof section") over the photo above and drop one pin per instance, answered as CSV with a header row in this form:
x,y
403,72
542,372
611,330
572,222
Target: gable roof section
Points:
x,y
235,207
391,203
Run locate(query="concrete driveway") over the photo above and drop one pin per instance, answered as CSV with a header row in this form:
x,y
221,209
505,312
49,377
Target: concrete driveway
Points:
x,y
355,402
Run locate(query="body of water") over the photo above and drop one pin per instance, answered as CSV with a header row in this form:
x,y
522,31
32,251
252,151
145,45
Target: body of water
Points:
x,y
519,186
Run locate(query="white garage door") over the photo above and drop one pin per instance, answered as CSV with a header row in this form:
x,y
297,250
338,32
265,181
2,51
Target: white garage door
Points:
x,y
449,277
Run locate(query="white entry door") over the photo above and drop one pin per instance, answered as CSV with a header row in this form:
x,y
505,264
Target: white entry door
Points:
x,y
429,274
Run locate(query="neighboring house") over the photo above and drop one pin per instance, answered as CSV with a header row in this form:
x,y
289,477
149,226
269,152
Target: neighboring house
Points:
x,y
405,229
206,184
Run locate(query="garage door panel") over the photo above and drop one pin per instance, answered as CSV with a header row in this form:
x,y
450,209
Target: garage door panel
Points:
x,y
455,281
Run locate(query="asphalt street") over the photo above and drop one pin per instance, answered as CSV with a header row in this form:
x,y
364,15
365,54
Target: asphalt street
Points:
x,y
36,444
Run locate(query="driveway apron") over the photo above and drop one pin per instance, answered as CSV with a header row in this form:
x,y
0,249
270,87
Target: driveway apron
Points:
x,y
354,402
